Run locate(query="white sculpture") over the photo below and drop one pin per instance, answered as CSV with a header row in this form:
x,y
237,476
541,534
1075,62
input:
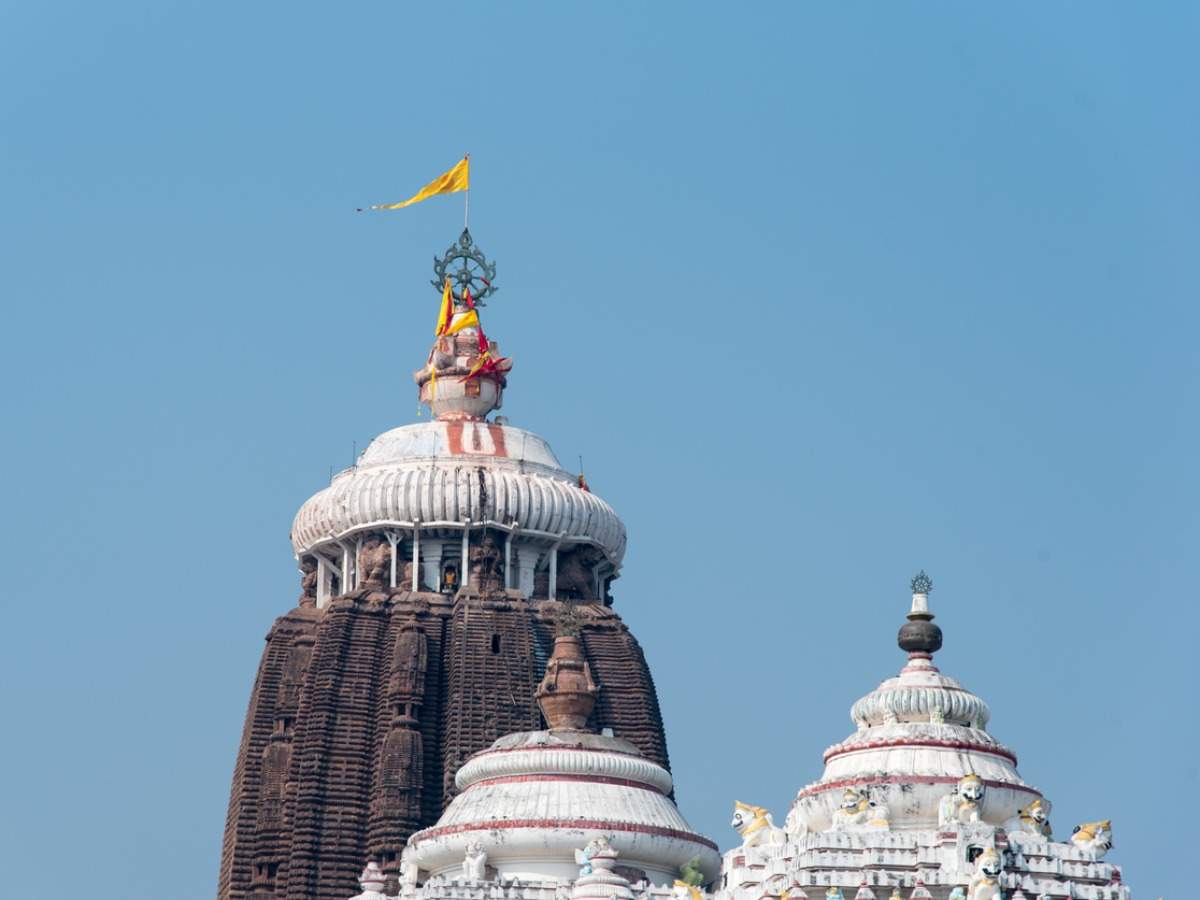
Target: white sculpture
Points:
x,y
474,867
1031,822
371,881
834,893
958,893
859,813
1093,837
796,823
963,805
410,873
583,858
986,883
755,825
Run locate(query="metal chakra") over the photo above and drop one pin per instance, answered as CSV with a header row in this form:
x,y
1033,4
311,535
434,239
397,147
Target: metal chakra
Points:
x,y
473,271
921,583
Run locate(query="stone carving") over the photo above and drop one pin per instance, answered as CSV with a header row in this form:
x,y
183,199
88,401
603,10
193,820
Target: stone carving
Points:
x,y
308,582
375,562
986,883
1094,837
958,893
834,893
859,813
1031,822
474,867
963,805
574,577
796,823
690,874
371,881
583,858
487,574
410,874
755,825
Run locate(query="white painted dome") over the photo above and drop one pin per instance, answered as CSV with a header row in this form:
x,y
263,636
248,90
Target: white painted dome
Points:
x,y
444,472
533,798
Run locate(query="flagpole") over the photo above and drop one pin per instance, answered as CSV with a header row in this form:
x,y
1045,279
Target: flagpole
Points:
x,y
467,192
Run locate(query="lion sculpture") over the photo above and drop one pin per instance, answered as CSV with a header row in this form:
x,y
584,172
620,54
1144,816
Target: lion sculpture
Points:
x,y
474,867
964,804
1094,837
755,825
858,812
1031,822
986,883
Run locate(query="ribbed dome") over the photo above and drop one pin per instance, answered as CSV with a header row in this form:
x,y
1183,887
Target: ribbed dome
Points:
x,y
918,694
533,798
445,472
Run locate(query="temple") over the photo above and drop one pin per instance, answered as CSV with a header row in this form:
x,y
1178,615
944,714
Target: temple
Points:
x,y
435,573
454,705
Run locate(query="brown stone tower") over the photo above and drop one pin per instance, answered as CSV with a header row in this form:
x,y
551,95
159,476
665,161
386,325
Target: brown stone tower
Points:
x,y
436,572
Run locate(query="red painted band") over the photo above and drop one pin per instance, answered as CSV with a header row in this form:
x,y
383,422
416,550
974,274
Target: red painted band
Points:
x,y
906,779
904,742
568,747
587,779
592,824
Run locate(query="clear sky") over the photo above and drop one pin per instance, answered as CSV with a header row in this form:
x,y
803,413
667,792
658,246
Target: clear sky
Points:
x,y
824,294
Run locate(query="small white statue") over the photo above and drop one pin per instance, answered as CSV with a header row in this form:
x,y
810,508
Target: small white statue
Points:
x,y
410,873
1093,837
371,881
986,883
796,823
1031,822
858,812
963,805
755,825
583,858
834,893
958,893
474,867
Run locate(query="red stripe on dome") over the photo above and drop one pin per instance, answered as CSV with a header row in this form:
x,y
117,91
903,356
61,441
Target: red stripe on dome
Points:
x,y
570,747
904,742
588,779
907,779
591,824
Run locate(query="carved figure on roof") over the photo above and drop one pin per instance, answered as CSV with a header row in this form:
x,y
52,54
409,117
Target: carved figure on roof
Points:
x,y
371,881
963,805
796,823
374,561
834,893
474,867
1033,821
858,812
574,577
583,858
985,885
308,581
958,893
410,874
755,825
486,571
1093,837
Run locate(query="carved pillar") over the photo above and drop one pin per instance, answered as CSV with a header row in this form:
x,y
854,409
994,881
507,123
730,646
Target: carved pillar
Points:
x,y
431,560
527,560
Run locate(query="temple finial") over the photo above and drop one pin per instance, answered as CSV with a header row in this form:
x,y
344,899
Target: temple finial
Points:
x,y
567,694
919,637
464,376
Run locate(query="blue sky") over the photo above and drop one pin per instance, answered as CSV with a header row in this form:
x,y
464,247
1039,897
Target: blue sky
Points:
x,y
824,294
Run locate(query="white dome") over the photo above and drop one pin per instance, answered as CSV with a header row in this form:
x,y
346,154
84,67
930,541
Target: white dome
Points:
x,y
533,798
444,472
918,734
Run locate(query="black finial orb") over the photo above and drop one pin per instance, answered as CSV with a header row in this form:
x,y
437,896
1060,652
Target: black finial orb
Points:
x,y
921,583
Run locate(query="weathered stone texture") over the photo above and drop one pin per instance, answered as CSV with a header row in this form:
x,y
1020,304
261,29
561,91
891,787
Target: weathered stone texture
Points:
x,y
362,713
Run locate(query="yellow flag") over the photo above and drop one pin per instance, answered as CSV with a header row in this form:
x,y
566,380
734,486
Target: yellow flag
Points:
x,y
457,179
468,319
447,308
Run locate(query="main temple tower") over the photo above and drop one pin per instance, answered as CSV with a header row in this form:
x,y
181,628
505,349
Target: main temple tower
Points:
x,y
435,573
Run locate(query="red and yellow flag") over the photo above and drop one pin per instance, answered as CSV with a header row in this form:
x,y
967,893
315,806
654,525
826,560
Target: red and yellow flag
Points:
x,y
446,311
457,179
